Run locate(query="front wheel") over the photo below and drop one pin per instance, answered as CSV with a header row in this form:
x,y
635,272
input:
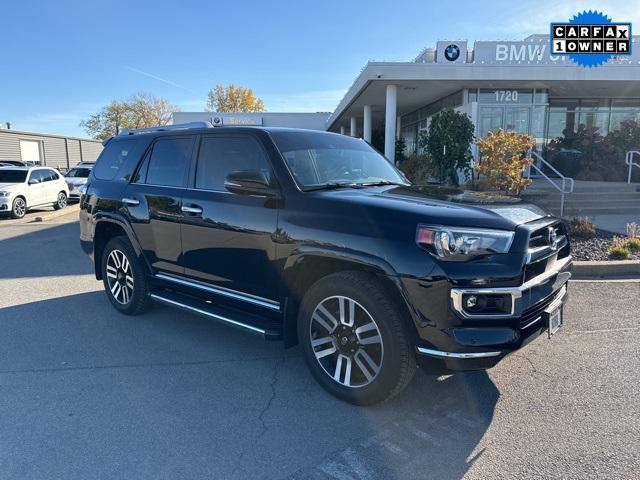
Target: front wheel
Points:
x,y
61,201
19,208
354,339
124,277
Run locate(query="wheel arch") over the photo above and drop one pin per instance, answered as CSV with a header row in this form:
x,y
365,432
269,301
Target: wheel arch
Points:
x,y
308,265
106,228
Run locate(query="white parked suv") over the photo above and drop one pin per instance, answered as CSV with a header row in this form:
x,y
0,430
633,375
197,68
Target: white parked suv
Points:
x,y
23,188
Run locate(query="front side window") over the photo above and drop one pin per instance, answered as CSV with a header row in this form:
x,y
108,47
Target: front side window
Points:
x,y
220,155
169,162
320,159
38,175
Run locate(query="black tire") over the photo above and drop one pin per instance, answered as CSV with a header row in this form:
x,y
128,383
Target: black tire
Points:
x,y
61,202
128,299
19,208
397,358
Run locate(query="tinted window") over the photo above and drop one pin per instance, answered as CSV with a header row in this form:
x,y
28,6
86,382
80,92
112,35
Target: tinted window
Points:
x,y
115,154
169,162
13,176
221,155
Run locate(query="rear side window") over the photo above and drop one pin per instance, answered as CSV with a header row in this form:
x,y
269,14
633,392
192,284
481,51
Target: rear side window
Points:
x,y
114,156
169,162
221,155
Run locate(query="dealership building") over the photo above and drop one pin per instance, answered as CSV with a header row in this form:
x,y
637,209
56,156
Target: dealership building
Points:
x,y
513,85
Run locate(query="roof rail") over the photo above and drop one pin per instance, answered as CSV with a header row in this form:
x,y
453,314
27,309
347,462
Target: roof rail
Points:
x,y
162,128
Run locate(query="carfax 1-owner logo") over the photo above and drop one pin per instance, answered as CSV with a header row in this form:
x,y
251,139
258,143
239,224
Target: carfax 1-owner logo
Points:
x,y
591,38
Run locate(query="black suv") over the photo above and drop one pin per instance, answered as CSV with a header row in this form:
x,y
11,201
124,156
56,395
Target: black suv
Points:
x,y
315,238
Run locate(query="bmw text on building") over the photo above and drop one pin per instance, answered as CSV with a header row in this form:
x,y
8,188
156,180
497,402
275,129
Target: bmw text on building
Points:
x,y
515,85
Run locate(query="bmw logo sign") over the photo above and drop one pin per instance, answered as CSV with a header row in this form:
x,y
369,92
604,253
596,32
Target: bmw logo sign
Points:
x,y
452,52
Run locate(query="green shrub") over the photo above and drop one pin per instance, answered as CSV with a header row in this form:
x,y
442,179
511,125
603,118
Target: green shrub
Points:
x,y
619,253
417,168
582,227
448,143
633,244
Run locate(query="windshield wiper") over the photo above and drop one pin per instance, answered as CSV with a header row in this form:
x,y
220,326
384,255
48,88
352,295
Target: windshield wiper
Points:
x,y
333,186
381,182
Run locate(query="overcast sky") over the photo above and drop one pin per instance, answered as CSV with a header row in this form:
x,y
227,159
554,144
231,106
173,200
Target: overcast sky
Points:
x,y
63,60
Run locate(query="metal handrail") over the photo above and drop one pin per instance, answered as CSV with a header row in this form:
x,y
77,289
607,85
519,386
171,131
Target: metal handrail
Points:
x,y
565,181
628,159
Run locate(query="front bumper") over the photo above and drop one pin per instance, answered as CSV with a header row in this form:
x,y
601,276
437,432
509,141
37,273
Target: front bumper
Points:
x,y
471,342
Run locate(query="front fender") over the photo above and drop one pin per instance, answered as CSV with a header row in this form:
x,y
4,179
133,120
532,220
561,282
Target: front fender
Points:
x,y
308,263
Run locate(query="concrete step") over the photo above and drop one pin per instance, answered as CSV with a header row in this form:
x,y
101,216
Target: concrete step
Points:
x,y
634,213
593,203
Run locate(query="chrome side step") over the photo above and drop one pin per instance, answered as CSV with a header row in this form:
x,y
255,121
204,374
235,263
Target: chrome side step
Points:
x,y
225,292
209,311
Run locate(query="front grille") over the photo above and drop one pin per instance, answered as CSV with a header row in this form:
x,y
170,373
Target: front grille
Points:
x,y
542,238
535,311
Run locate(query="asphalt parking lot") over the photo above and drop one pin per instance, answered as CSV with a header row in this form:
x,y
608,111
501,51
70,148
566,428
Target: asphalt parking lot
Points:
x,y
87,393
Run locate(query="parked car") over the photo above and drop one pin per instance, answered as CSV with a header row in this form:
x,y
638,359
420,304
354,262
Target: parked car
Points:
x,y
24,188
317,239
16,163
76,178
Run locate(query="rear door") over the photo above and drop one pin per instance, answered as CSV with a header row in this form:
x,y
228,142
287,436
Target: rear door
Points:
x,y
227,239
51,186
153,200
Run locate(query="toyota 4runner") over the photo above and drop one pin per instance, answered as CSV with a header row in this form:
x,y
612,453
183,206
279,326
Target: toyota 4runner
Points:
x,y
315,238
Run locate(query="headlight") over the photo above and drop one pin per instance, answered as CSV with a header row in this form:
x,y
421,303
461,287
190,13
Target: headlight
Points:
x,y
5,194
459,243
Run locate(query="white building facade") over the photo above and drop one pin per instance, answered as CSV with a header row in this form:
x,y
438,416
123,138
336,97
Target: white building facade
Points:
x,y
514,85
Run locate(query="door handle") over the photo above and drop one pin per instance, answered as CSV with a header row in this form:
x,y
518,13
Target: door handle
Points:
x,y
131,202
191,210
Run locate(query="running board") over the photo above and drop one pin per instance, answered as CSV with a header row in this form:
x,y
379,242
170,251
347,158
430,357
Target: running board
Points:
x,y
224,315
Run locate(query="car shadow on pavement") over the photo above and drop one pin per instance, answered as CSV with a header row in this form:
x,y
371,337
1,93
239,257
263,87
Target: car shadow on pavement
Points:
x,y
43,250
173,395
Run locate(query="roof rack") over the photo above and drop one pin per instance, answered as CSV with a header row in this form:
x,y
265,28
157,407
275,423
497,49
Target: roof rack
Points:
x,y
162,128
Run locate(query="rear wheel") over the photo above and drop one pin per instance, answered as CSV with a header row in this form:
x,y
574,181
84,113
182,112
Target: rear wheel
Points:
x,y
19,208
124,277
354,339
61,201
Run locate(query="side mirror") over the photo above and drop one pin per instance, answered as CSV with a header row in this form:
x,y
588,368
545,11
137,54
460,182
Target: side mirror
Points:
x,y
250,182
33,181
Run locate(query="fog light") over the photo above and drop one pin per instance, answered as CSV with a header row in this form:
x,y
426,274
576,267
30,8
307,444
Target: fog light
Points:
x,y
471,302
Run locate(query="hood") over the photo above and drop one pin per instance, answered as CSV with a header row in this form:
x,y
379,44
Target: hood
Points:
x,y
441,205
9,186
75,180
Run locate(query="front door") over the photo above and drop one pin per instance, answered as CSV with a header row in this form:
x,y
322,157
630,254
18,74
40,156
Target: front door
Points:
x,y
36,187
153,201
227,238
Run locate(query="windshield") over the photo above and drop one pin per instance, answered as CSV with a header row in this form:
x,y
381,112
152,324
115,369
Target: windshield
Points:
x,y
319,159
78,173
13,176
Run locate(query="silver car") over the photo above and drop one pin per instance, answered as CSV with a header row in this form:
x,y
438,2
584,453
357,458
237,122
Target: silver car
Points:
x,y
76,177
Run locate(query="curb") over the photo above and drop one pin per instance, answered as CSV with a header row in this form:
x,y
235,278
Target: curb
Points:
x,y
606,269
57,213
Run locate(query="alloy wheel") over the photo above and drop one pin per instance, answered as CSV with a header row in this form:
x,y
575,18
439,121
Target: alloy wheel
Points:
x,y
346,341
62,200
19,207
119,276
